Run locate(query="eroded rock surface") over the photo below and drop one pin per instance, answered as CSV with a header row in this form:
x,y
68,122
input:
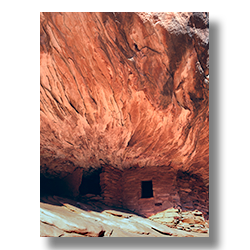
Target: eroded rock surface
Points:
x,y
126,89
190,221
62,217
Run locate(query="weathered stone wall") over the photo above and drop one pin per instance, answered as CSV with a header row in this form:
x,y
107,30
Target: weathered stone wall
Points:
x,y
111,185
170,189
164,189
122,188
193,193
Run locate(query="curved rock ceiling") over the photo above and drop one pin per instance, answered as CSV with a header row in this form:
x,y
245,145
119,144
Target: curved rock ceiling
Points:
x,y
124,89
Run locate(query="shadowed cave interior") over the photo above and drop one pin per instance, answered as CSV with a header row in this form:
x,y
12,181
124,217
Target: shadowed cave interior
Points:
x,y
90,183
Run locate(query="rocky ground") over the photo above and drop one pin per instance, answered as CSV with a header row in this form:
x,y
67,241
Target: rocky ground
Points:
x,y
89,217
190,221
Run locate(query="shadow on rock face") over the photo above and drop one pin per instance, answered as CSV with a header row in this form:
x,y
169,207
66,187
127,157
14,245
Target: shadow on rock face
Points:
x,y
65,186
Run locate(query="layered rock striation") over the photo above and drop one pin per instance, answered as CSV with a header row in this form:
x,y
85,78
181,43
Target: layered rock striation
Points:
x,y
125,90
60,217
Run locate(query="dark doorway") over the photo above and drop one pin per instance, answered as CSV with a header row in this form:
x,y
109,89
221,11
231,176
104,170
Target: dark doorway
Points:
x,y
146,189
90,183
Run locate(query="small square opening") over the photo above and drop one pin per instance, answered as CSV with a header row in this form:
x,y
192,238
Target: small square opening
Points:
x,y
146,189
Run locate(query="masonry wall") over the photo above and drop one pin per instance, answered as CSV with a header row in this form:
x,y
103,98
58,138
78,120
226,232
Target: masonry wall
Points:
x,y
193,193
165,193
111,186
170,189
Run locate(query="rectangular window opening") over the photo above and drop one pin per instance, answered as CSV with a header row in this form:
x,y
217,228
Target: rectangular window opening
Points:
x,y
146,189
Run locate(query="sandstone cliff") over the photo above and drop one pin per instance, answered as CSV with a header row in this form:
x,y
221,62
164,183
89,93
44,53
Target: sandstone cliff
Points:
x,y
125,89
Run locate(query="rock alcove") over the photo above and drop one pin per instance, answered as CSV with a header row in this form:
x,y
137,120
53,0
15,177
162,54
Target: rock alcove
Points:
x,y
124,101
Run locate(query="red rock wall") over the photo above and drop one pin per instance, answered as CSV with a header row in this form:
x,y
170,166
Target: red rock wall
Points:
x,y
126,89
111,185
